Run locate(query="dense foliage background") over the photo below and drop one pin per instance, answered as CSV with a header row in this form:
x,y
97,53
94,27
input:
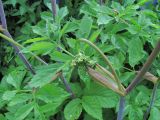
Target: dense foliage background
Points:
x,y
125,31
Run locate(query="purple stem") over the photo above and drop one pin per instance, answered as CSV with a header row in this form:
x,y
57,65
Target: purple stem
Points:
x,y
121,108
54,11
151,102
68,88
145,68
17,50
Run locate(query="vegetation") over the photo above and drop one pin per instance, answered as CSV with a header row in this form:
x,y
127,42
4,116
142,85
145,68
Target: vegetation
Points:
x,y
89,60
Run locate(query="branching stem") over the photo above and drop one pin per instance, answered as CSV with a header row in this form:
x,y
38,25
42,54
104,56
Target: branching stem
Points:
x,y
106,60
121,108
145,68
19,45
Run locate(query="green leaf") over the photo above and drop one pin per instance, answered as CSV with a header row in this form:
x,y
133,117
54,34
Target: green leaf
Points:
x,y
104,19
59,56
15,78
51,93
61,14
45,74
35,40
50,107
142,2
135,50
135,113
47,16
134,29
85,27
69,27
23,111
11,81
154,115
92,107
2,117
117,63
20,98
38,46
94,35
8,95
73,109
84,75
13,2
104,97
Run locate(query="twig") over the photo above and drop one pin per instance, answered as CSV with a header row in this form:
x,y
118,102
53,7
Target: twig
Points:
x,y
18,45
145,68
152,101
68,88
106,60
17,50
121,108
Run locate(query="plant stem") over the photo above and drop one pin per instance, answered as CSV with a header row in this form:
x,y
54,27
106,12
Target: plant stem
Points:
x,y
18,45
17,50
106,60
121,108
145,68
68,88
101,2
59,46
145,117
54,10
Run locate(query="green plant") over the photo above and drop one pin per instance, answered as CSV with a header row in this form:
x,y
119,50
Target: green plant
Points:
x,y
107,45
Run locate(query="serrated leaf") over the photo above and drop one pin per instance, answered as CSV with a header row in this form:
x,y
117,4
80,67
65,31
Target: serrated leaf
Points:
x,y
20,98
15,78
135,113
135,51
73,109
47,16
11,81
85,27
69,27
60,57
45,74
104,19
23,111
61,14
84,75
8,95
91,106
51,93
105,98
154,115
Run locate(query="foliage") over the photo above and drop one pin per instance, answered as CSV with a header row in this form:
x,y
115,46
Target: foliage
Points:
x,y
125,33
